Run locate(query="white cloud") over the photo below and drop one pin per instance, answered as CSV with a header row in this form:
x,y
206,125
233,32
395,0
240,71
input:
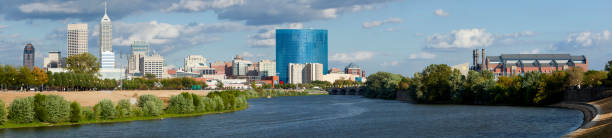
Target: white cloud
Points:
x,y
463,38
267,36
66,7
247,54
533,51
163,33
440,12
202,5
518,34
352,57
371,24
585,39
392,63
422,55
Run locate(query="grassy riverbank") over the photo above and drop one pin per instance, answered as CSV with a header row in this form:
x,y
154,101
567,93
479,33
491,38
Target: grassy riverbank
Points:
x,y
11,124
148,107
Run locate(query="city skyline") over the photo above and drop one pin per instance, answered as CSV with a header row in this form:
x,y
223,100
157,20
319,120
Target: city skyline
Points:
x,y
379,35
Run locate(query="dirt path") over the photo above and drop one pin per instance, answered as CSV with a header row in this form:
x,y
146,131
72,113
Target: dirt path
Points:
x,y
90,98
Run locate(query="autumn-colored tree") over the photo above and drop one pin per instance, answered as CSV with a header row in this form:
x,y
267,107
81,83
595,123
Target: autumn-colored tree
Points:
x,y
40,76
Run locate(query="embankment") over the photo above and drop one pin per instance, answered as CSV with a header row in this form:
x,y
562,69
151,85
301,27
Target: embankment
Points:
x,y
598,118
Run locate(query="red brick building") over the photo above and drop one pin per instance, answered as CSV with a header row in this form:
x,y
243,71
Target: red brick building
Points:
x,y
518,64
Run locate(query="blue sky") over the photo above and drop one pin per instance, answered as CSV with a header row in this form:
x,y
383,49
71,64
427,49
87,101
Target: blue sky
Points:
x,y
397,36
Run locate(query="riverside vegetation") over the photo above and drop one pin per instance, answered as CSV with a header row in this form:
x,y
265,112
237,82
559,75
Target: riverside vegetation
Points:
x,y
440,83
52,110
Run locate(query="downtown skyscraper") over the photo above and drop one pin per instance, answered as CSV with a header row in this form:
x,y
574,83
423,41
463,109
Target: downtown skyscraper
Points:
x,y
77,39
29,56
106,36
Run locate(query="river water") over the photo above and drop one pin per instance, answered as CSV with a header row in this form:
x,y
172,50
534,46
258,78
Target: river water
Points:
x,y
337,116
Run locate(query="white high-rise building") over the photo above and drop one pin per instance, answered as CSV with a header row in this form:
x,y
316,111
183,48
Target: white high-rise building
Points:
x,y
77,39
267,68
106,34
305,73
194,61
152,65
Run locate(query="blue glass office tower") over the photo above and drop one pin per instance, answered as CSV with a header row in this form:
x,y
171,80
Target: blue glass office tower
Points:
x,y
300,46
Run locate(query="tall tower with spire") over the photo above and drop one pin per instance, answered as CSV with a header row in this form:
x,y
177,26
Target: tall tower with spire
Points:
x,y
106,34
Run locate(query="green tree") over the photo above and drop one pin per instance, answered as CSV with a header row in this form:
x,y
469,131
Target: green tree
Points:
x,y
55,109
105,110
25,77
8,77
2,113
123,108
150,76
150,108
594,78
75,112
575,76
181,104
382,85
83,63
151,105
550,89
439,83
198,103
21,110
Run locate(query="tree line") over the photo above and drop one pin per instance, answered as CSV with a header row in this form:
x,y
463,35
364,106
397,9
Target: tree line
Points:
x,y
440,83
55,109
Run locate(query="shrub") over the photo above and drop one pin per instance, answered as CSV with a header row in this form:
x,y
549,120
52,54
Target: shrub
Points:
x,y
137,111
219,103
105,110
209,104
39,110
181,104
150,108
123,108
148,97
75,112
88,113
2,113
22,110
198,104
54,109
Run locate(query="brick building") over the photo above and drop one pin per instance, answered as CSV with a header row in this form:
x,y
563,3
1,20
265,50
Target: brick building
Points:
x,y
518,64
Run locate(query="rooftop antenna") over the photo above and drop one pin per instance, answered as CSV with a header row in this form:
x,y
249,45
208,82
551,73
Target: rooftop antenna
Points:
x,y
105,7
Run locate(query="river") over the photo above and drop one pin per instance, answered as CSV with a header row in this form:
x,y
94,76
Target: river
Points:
x,y
337,116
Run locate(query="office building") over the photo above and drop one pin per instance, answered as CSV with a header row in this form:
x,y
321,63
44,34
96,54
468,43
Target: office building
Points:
x,y
53,60
219,67
107,59
194,61
519,64
77,39
267,68
139,49
352,68
152,65
300,46
106,36
240,66
29,56
305,73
